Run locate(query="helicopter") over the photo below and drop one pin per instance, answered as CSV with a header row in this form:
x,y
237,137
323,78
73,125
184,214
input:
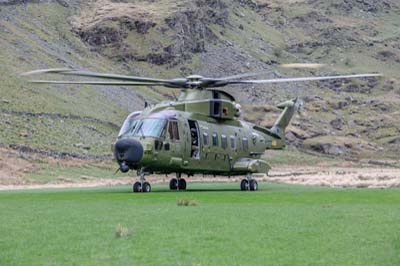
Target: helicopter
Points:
x,y
199,133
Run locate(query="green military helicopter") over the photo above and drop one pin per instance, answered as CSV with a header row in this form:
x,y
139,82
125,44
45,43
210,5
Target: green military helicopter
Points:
x,y
199,133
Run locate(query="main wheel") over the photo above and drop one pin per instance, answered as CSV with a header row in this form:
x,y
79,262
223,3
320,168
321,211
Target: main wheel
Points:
x,y
146,187
244,185
173,184
253,185
137,187
182,184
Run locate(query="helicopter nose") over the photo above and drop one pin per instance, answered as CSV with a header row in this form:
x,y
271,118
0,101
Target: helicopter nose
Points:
x,y
128,151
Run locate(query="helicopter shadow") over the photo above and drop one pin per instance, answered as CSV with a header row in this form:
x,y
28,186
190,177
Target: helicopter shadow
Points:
x,y
200,190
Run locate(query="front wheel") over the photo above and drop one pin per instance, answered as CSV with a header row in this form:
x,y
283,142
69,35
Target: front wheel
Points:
x,y
146,187
173,184
137,187
244,185
182,184
253,185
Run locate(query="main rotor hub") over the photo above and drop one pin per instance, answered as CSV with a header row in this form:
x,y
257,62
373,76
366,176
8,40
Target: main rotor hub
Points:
x,y
194,81
195,77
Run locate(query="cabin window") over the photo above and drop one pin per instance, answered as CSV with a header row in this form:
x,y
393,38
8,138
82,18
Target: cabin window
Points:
x,y
224,141
173,130
205,138
215,139
233,142
245,144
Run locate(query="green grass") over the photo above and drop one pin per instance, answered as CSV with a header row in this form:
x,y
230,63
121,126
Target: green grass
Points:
x,y
278,225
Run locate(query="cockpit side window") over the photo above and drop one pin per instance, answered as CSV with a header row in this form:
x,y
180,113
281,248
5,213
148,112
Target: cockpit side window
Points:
x,y
173,130
129,125
151,127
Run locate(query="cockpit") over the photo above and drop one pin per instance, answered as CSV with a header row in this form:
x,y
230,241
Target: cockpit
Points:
x,y
153,126
129,125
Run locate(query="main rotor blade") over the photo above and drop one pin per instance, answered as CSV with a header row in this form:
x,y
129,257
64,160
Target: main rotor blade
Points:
x,y
221,82
110,83
45,71
239,76
72,72
281,80
112,76
135,81
246,75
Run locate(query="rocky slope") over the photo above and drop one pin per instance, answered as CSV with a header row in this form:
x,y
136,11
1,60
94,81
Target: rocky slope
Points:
x,y
169,38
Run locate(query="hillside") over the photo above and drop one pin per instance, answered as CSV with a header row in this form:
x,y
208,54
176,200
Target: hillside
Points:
x,y
167,38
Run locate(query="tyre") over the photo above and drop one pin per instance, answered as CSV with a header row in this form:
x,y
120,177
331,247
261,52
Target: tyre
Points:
x,y
182,184
244,185
137,187
173,184
146,187
253,185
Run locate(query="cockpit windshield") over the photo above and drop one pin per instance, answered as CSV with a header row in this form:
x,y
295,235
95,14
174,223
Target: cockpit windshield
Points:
x,y
151,127
129,126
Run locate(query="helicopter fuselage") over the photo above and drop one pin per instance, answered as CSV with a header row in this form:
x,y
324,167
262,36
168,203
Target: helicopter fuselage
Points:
x,y
200,132
194,136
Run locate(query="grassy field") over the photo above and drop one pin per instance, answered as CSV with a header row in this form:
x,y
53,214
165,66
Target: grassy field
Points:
x,y
278,225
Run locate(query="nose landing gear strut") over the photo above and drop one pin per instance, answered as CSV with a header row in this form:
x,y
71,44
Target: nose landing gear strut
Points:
x,y
142,185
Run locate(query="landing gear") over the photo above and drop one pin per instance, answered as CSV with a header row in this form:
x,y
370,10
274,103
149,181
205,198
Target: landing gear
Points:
x,y
137,187
249,184
182,184
141,186
244,185
146,187
253,185
173,184
177,183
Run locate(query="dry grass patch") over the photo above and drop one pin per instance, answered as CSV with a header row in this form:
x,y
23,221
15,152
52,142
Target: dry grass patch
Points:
x,y
105,10
187,202
370,177
121,231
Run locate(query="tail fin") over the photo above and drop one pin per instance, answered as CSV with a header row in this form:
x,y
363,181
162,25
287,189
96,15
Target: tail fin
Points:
x,y
289,108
